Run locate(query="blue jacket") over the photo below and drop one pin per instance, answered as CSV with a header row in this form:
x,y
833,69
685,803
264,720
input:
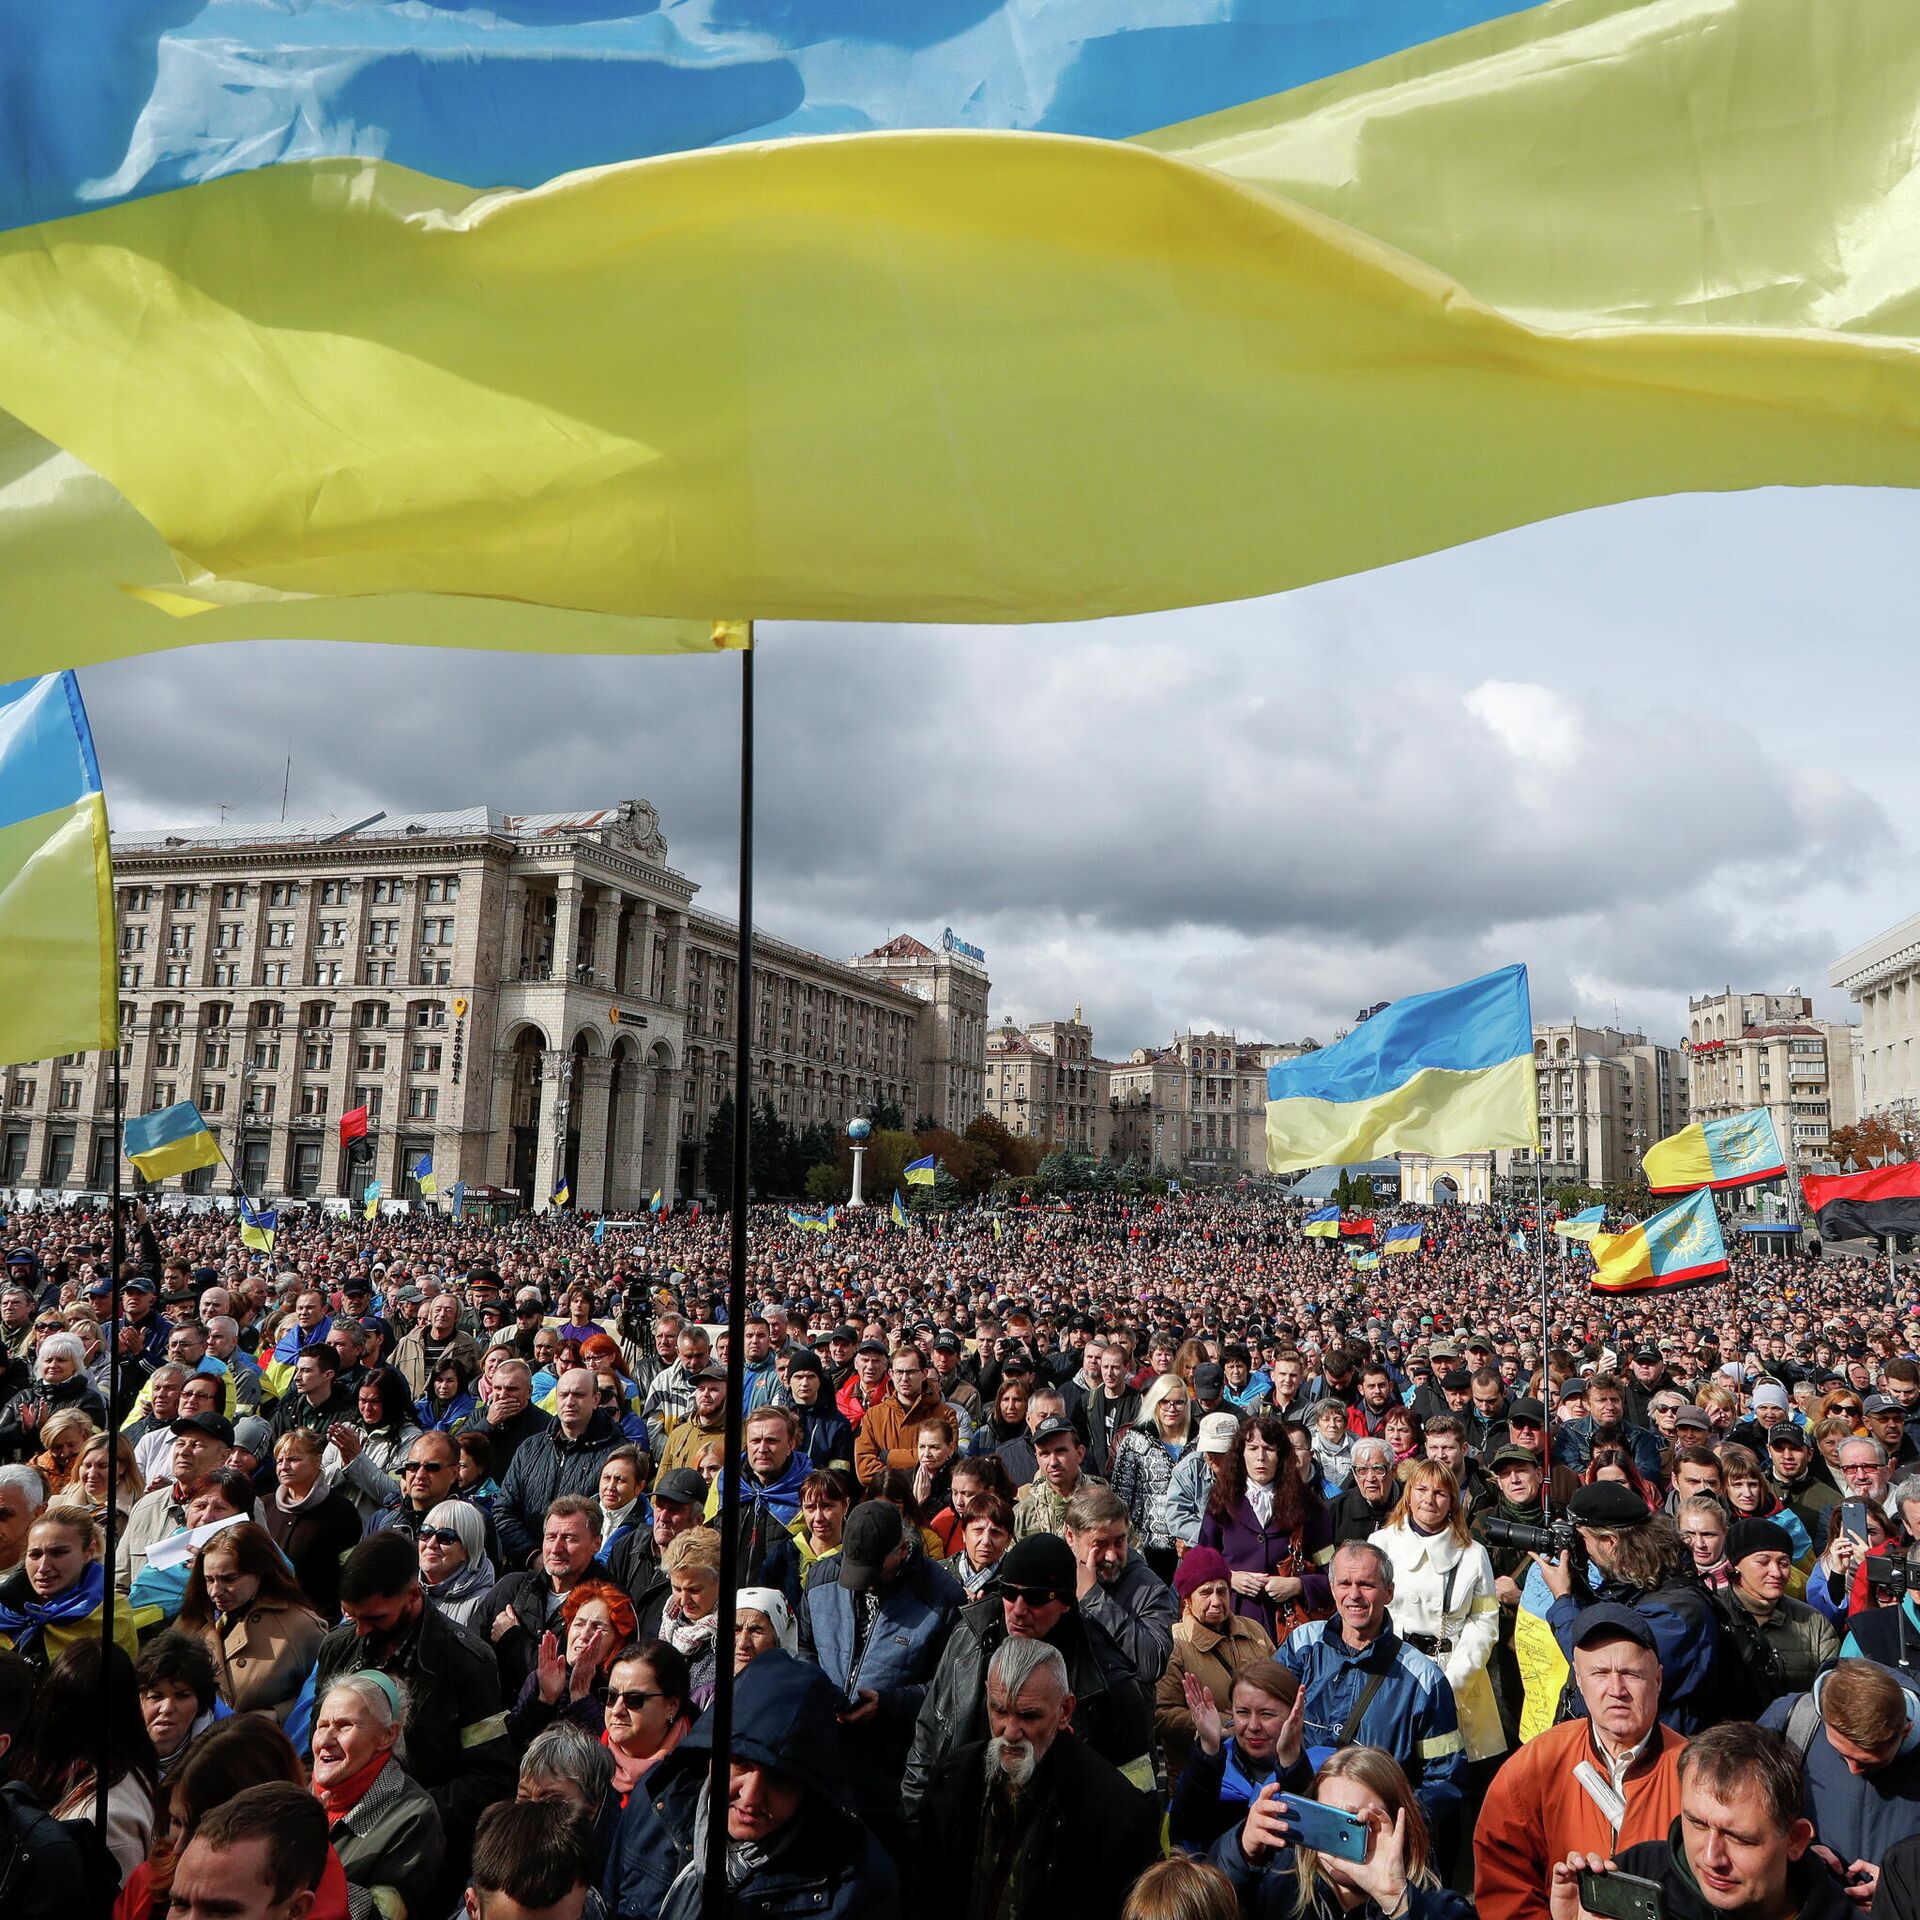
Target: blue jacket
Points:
x,y
902,1652
1573,1442
1685,1635
1858,1815
784,1717
1411,1715
1215,1791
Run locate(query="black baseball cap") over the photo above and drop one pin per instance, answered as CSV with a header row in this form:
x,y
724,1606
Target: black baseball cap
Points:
x,y
1209,1379
874,1529
871,1346
946,1341
1053,1427
1608,1619
1529,1410
843,1332
681,1487
215,1426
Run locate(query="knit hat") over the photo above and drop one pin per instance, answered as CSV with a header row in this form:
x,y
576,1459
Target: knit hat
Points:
x,y
1197,1567
1770,1393
1042,1562
1757,1536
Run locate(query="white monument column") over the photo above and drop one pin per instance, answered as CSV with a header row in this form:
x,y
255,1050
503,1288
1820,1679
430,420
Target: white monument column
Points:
x,y
857,1132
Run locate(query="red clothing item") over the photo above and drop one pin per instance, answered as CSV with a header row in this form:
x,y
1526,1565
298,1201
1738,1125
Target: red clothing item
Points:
x,y
853,1400
329,1900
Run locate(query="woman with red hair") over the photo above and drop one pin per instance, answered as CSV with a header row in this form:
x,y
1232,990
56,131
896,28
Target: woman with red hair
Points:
x,y
569,1679
600,1354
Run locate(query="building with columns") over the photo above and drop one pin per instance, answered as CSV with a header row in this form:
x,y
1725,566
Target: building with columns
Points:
x,y
525,998
1883,980
1767,1050
952,986
1197,1108
1605,1096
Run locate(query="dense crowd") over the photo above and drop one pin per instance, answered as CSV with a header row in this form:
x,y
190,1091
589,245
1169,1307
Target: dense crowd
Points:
x,y
1121,1558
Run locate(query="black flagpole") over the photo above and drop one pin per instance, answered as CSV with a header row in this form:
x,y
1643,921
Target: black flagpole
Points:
x,y
116,1247
714,1897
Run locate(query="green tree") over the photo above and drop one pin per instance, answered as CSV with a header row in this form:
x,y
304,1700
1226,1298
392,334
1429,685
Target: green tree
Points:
x,y
826,1184
888,1117
769,1150
717,1154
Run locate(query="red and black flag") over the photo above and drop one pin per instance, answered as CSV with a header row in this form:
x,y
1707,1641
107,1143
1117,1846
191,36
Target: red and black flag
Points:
x,y
1870,1205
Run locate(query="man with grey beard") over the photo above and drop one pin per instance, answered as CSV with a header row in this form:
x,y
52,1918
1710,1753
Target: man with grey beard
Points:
x,y
1004,1827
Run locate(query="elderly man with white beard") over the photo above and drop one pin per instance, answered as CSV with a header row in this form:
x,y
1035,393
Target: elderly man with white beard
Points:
x,y
1004,1827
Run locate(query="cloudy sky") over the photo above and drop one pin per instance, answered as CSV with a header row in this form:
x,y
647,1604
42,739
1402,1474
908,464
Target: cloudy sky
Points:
x,y
1650,751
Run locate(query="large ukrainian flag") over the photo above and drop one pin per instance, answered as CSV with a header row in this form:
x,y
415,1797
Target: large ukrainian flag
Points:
x,y
1739,1150
171,1140
59,991
1679,1247
1446,1072
960,310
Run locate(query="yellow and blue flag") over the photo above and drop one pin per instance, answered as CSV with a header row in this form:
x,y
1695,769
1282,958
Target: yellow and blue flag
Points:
x,y
1405,1236
423,1175
921,1173
370,1193
1582,1226
562,1195
1677,1248
812,1222
258,1225
1740,1150
56,877
1440,1073
171,1140
1323,1225
1363,1260
459,1198
899,1209
600,1232
352,300
658,1201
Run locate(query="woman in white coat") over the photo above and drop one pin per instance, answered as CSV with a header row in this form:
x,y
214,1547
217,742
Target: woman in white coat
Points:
x,y
1444,1604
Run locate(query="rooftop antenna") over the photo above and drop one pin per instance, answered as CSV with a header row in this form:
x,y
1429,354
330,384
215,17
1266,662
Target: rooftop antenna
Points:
x,y
286,780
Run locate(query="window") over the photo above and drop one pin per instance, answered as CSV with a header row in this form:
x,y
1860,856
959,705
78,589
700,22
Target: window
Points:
x,y
335,893
329,973
130,976
223,976
306,1168
232,897
443,887
213,1096
133,939
317,1013
135,899
176,976
370,1059
433,973
423,1103
313,1099
166,1053
379,973
386,892
59,1158
23,1092
332,933
370,1013
283,893
436,933
279,974
229,937
70,1096
265,1055
180,937
318,1056
383,933
427,1060
279,933
370,1098
217,1013
264,1013
260,1100
185,899
216,1055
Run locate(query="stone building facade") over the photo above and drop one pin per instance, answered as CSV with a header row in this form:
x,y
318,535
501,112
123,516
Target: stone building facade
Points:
x,y
525,998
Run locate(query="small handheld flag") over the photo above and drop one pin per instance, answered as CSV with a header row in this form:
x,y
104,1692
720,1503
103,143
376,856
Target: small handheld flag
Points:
x,y
562,1195
653,1205
56,878
1404,1236
258,1225
172,1140
1582,1226
996,1226
1323,1225
1738,1150
921,1173
423,1175
1678,1247
899,1210
599,1233
459,1198
813,1222
372,1197
1364,1260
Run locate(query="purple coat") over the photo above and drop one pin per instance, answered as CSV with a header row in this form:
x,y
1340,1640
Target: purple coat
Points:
x,y
1251,1548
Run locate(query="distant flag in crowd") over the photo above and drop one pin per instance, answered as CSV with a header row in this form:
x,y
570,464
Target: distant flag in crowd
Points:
x,y
659,1199
459,1198
899,1209
599,1233
1324,1225
1357,1223
172,1140
258,1225
1173,1188
921,1173
1853,1206
562,1195
56,879
1446,1072
1676,1248
423,1175
1582,1226
1517,1241
812,1222
371,1195
997,1228
353,1125
1404,1236
693,1213
1364,1259
1739,1150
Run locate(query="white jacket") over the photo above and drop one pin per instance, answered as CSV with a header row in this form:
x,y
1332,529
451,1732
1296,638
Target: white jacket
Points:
x,y
1469,1618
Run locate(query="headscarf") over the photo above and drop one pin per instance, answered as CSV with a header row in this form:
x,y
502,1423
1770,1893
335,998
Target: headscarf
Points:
x,y
773,1604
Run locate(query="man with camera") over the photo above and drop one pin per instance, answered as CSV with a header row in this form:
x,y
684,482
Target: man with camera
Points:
x,y
1589,1785
1740,1846
1625,1554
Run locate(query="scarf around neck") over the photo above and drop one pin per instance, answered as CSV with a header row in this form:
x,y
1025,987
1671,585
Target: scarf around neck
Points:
x,y
21,1623
343,1796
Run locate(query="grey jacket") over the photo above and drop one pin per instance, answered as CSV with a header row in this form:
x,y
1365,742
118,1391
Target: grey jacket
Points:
x,y
1138,1611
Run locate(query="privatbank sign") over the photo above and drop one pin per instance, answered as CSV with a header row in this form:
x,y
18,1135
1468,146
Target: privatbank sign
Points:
x,y
966,952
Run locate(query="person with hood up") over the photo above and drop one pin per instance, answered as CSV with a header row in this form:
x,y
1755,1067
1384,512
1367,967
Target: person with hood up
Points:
x,y
793,1845
454,1567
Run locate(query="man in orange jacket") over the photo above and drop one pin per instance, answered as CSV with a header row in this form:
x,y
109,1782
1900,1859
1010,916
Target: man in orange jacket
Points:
x,y
885,1437
1594,1785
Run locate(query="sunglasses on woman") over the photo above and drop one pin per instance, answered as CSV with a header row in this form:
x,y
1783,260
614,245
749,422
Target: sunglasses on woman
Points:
x,y
632,1698
442,1536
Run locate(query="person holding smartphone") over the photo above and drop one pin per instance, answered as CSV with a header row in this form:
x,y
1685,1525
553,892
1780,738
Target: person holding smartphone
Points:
x,y
1278,1875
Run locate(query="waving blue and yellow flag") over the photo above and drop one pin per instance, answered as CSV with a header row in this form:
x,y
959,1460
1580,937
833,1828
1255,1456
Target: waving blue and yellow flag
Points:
x,y
171,1140
1404,1236
984,312
921,1173
61,992
423,1175
1446,1072
1583,1225
370,1194
899,1210
812,1222
1740,1150
258,1225
1322,1224
1677,1248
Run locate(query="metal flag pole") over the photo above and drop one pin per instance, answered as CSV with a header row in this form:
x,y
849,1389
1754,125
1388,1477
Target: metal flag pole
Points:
x,y
1546,1341
714,1900
116,1313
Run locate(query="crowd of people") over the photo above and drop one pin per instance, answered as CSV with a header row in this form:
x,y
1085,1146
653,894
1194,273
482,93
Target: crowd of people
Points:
x,y
1127,1558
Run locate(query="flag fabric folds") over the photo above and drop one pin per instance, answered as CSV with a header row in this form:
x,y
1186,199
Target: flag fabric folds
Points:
x,y
423,1175
812,1222
1854,1206
1323,1225
1332,225
353,1125
56,879
258,1225
899,1211
1440,1073
1677,1248
1582,1226
1739,1150
459,1198
371,1195
921,1173
562,1195
659,1199
600,1233
171,1140
1363,1259
1404,1236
